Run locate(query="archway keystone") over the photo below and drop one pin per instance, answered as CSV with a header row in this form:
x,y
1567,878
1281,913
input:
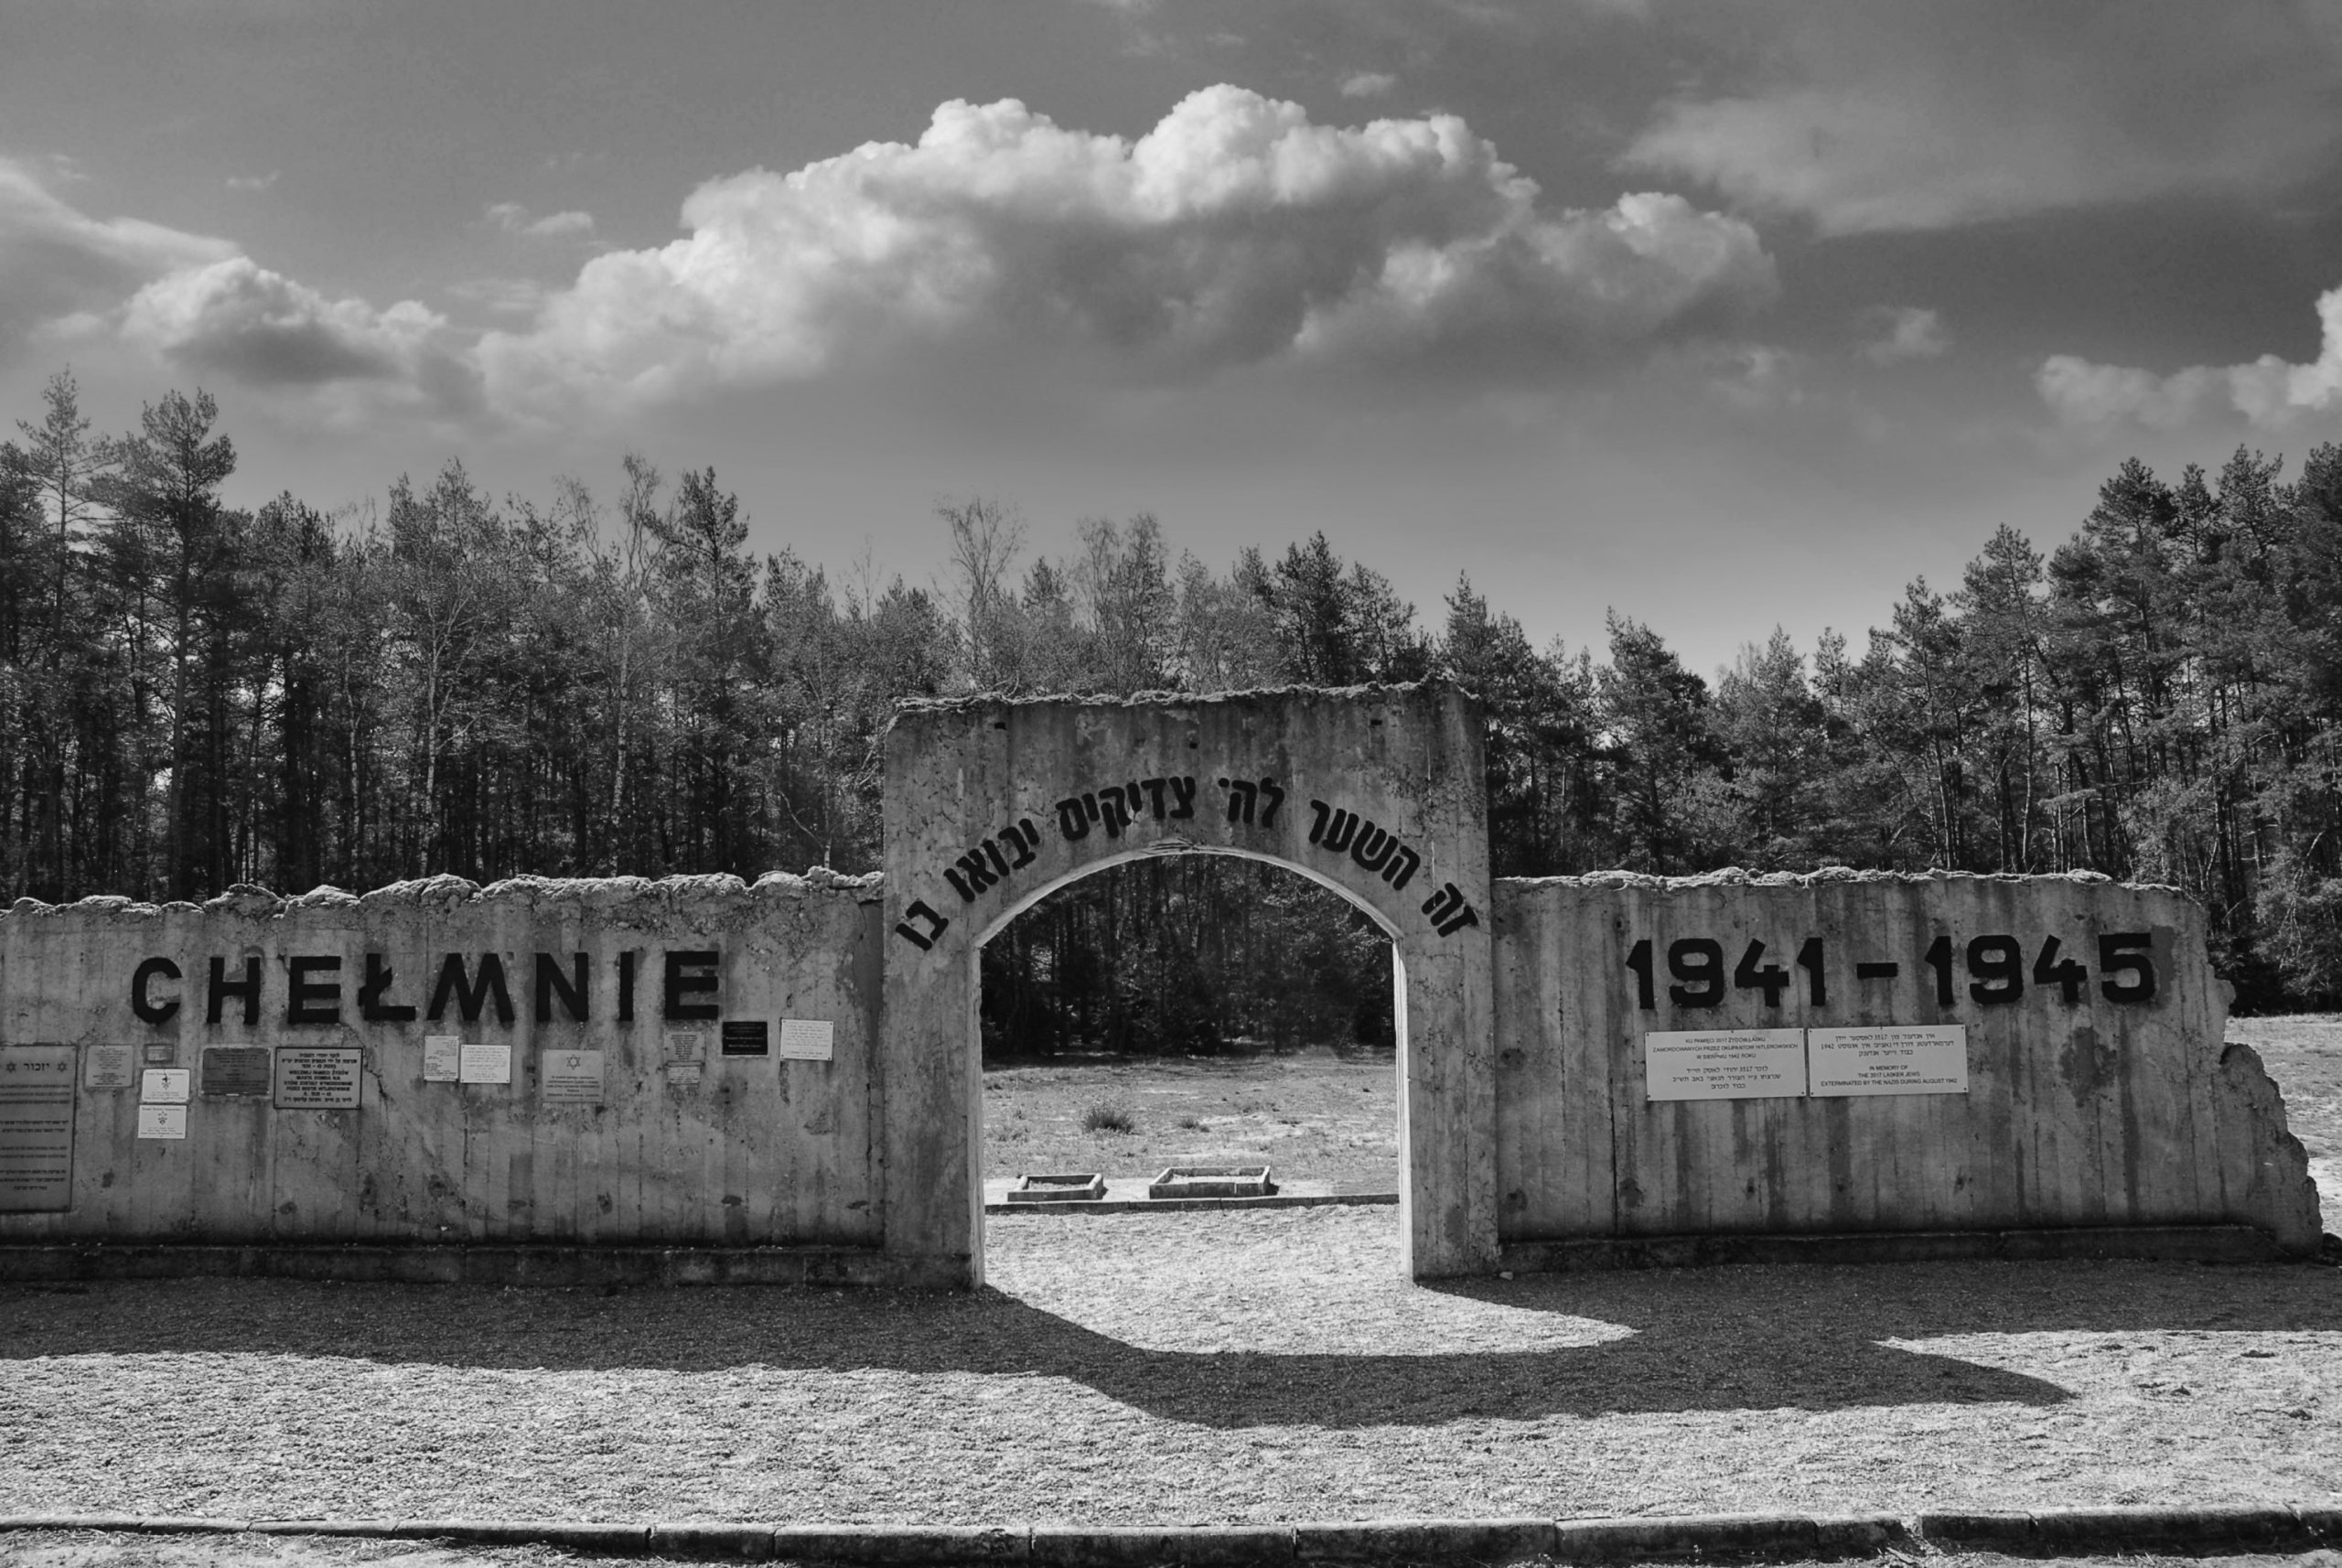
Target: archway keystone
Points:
x,y
1376,791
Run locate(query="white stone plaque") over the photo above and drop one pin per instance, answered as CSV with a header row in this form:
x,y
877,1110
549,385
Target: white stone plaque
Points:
x,y
686,1045
317,1078
572,1078
162,1120
1723,1064
108,1067
685,1074
442,1058
1889,1058
164,1086
486,1061
807,1039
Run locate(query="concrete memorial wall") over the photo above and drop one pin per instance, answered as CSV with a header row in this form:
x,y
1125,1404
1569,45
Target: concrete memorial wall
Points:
x,y
1873,1052
608,1063
541,1079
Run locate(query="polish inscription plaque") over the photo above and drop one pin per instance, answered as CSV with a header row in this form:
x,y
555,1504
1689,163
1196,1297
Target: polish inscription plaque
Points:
x,y
317,1078
1723,1064
36,1094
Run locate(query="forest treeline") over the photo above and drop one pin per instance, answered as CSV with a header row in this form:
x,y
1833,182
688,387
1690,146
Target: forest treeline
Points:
x,y
194,696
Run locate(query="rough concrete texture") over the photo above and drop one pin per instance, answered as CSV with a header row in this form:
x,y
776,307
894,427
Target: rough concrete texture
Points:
x,y
682,1143
1378,792
2082,1109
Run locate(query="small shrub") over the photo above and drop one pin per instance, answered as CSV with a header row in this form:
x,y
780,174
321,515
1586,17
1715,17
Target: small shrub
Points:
x,y
1109,1116
1192,1124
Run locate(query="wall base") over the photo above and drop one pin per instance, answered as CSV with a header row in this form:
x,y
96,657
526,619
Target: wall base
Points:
x,y
2190,1243
509,1266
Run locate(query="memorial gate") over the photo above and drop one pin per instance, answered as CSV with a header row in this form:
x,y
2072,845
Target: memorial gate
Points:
x,y
700,1079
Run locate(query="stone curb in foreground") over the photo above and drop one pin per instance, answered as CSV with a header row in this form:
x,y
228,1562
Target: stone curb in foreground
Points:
x,y
1743,1537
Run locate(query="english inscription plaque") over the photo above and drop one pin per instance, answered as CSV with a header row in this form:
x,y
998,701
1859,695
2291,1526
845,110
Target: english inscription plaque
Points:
x,y
317,1078
807,1039
36,1128
1889,1060
238,1072
162,1086
1723,1064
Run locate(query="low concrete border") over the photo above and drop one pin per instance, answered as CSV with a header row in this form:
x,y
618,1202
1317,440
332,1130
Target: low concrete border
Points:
x,y
406,1263
2185,1244
1741,1538
1194,1205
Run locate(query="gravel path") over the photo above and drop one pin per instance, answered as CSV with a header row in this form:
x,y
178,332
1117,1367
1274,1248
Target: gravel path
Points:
x,y
1202,1368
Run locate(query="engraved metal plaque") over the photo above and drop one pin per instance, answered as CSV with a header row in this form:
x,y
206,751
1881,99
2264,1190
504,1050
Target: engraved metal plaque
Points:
x,y
237,1072
748,1037
1723,1064
37,1094
808,1039
317,1078
572,1078
1889,1058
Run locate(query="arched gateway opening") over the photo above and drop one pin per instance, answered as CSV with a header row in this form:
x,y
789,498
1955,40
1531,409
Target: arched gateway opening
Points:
x,y
993,804
1206,1007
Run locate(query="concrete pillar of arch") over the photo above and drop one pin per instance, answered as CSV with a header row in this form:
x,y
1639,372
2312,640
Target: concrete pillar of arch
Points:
x,y
1378,792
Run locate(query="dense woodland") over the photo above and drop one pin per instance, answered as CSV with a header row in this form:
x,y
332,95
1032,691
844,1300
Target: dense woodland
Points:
x,y
604,680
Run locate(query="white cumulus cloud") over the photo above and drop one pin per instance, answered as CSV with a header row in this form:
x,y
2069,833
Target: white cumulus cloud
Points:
x,y
1367,84
238,321
1236,231
2269,391
57,264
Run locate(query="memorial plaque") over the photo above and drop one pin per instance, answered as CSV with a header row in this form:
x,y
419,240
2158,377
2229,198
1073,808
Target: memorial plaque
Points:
x,y
807,1039
36,1128
1889,1058
164,1086
686,1045
317,1078
572,1078
748,1037
109,1067
685,1074
1723,1064
486,1061
160,1053
235,1072
442,1058
162,1120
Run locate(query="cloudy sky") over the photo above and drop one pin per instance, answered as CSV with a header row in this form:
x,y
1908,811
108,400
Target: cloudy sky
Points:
x,y
1725,317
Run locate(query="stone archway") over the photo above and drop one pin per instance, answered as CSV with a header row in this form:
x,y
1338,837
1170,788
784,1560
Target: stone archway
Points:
x,y
1376,791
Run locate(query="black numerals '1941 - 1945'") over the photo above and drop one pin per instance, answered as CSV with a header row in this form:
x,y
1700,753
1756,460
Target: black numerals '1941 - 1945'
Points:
x,y
1994,964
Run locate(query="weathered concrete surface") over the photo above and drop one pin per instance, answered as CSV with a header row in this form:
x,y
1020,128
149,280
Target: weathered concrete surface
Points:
x,y
757,1152
2089,1113
1376,791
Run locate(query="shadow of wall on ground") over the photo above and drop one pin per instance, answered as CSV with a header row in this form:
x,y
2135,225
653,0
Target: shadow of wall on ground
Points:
x,y
1721,1340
